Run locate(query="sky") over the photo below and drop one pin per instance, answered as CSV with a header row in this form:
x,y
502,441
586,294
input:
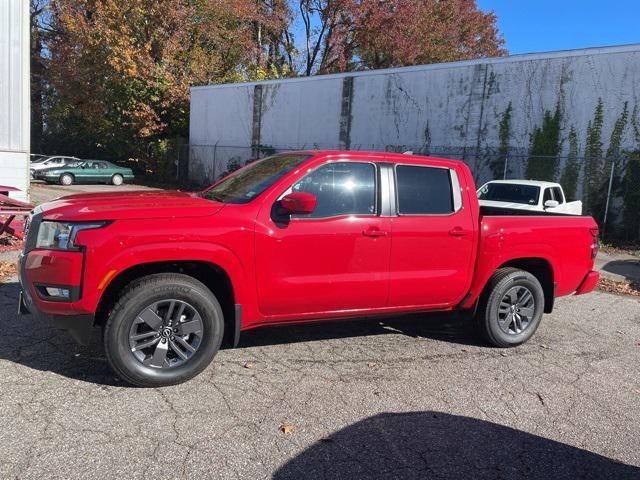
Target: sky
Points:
x,y
545,25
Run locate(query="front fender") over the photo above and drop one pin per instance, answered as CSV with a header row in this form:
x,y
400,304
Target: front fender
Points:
x,y
99,274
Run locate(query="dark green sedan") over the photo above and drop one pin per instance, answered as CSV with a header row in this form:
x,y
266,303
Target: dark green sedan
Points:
x,y
89,171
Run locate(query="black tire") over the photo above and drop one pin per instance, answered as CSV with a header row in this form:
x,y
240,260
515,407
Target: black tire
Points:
x,y
504,281
117,179
135,298
66,179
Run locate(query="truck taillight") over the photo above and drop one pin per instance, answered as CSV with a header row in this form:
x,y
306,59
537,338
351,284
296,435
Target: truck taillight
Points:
x,y
595,246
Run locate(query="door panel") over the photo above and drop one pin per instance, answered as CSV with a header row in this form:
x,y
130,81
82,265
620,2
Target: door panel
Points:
x,y
431,251
332,260
322,266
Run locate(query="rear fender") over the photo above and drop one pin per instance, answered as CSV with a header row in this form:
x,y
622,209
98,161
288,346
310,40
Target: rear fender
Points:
x,y
489,262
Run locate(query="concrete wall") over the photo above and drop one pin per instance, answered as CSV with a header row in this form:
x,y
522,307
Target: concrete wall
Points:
x,y
452,109
14,95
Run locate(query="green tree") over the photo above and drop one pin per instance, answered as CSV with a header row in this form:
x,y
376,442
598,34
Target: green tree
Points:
x,y
545,147
571,171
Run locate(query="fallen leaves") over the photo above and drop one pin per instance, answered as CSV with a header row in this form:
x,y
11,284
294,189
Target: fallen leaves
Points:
x,y
622,288
7,269
286,428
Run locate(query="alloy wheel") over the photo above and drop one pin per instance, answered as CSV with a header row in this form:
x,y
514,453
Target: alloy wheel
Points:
x,y
166,334
516,311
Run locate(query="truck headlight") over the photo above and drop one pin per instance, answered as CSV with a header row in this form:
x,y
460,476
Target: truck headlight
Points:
x,y
62,235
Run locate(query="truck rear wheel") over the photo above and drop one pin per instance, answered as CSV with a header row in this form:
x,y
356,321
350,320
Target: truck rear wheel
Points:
x,y
511,307
164,330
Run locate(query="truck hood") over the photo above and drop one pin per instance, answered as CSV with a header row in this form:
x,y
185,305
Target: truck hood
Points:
x,y
129,205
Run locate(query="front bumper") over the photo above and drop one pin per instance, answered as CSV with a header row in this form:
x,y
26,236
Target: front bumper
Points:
x,y
38,268
588,283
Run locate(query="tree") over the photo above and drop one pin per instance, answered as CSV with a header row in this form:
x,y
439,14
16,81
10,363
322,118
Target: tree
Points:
x,y
571,172
112,77
545,148
328,32
342,35
122,70
405,32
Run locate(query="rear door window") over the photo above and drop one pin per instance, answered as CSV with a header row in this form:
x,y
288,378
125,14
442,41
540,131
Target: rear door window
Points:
x,y
423,190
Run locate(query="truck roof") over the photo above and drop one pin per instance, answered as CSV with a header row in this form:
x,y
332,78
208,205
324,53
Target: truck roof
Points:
x,y
535,183
391,157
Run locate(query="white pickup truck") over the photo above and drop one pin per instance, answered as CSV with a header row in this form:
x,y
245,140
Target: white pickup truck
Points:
x,y
527,195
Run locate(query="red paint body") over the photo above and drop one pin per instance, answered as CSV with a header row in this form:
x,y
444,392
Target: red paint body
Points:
x,y
337,267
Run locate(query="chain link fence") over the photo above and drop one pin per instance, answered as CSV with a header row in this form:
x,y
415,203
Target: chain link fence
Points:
x,y
598,183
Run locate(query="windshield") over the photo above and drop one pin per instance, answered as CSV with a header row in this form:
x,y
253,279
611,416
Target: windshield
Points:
x,y
510,192
250,181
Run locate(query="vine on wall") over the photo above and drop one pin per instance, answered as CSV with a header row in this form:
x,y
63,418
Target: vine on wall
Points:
x,y
498,164
571,171
545,147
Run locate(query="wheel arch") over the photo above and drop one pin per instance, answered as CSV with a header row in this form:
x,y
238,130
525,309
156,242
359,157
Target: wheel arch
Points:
x,y
213,276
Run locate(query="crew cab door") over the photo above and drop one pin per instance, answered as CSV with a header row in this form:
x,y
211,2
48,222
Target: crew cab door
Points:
x,y
433,238
334,259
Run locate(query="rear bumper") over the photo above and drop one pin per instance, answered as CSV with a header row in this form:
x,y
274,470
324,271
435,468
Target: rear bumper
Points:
x,y
588,283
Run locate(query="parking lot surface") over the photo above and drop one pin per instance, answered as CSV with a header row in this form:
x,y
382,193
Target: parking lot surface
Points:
x,y
414,397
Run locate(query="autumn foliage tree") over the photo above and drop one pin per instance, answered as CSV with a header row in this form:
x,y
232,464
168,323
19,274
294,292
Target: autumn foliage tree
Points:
x,y
403,32
115,74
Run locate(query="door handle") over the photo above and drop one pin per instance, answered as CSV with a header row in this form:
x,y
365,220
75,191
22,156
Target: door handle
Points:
x,y
374,232
459,232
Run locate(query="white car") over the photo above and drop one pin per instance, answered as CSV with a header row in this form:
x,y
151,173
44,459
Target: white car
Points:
x,y
56,161
527,195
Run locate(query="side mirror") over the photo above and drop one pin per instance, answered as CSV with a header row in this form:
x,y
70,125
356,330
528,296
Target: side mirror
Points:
x,y
551,204
299,203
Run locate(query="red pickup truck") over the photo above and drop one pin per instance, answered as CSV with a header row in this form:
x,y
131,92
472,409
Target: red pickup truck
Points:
x,y
296,237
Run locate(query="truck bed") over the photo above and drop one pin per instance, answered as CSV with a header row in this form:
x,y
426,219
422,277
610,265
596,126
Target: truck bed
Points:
x,y
501,212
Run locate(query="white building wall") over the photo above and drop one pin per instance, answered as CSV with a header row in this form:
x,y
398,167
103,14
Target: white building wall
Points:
x,y
442,108
14,95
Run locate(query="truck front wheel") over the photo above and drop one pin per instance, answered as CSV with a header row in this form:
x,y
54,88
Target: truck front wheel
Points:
x,y
163,330
511,307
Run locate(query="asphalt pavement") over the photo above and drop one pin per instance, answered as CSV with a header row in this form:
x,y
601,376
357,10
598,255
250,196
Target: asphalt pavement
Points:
x,y
414,397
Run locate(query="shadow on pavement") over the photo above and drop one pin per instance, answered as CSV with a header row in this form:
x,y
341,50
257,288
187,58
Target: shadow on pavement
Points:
x,y
34,343
449,327
31,342
426,445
